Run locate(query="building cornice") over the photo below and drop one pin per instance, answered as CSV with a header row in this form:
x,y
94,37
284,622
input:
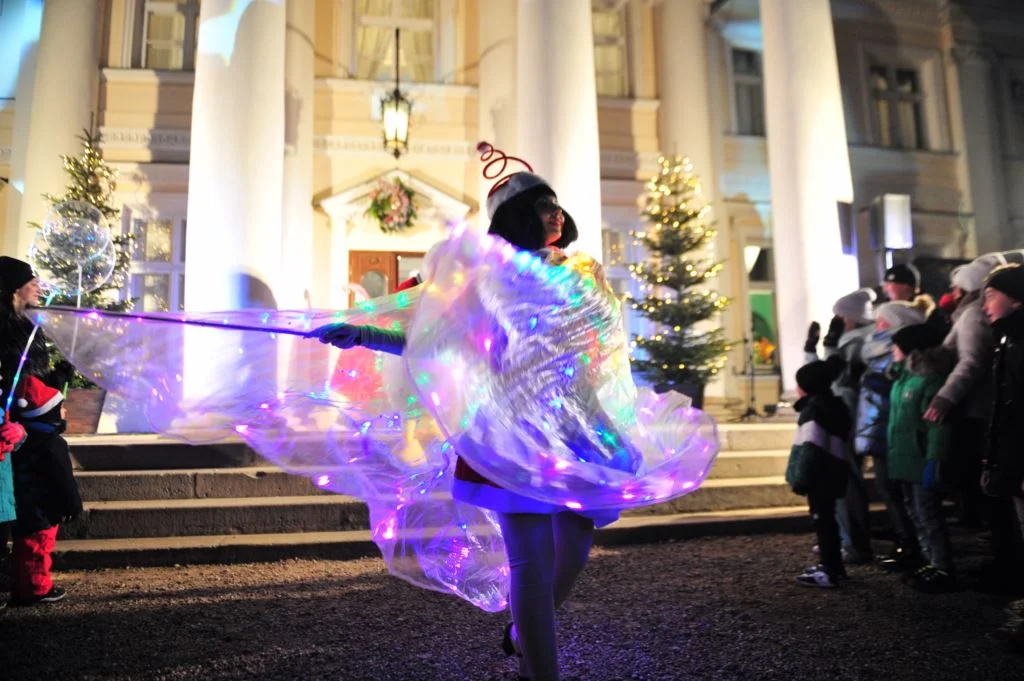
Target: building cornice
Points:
x,y
371,87
350,145
154,139
973,54
631,103
148,76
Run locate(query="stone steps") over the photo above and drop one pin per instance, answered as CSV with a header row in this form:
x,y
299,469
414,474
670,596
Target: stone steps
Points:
x,y
271,481
150,498
163,517
346,545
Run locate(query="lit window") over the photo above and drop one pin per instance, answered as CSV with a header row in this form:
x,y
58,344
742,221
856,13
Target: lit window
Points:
x,y
610,62
168,33
158,263
748,92
376,21
896,95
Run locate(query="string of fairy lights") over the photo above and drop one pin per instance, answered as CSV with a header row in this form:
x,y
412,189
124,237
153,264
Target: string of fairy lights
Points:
x,y
677,228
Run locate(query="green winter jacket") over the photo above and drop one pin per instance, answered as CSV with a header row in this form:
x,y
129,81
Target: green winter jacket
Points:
x,y
912,440
817,461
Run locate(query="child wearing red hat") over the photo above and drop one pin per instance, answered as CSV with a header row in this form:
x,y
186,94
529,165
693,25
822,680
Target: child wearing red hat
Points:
x,y
45,491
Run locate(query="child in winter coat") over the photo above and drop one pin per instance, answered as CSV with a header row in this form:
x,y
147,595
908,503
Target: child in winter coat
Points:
x,y
917,448
871,429
45,492
818,463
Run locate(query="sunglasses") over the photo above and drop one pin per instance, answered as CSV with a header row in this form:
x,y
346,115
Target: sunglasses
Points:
x,y
547,204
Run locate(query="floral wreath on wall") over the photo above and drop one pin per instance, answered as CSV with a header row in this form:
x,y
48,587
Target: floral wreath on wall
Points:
x,y
392,205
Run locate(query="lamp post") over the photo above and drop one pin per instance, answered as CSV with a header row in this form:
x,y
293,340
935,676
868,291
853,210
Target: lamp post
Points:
x,y
396,109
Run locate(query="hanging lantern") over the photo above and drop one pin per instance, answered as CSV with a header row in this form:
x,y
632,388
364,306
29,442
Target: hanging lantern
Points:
x,y
396,111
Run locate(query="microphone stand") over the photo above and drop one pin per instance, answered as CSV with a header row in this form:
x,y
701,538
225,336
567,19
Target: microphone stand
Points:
x,y
749,369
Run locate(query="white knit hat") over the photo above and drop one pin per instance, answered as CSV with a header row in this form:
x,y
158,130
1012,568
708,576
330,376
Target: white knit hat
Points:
x,y
900,313
856,306
971,277
495,164
515,184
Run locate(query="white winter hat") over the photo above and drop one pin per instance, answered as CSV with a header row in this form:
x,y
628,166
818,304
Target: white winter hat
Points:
x,y
971,277
856,306
900,313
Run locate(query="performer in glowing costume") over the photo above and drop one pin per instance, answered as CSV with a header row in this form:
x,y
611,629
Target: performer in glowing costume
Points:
x,y
494,399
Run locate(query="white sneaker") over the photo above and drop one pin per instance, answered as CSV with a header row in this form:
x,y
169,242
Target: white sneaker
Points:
x,y
818,578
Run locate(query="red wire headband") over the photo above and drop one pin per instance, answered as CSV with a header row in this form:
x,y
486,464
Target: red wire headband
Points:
x,y
495,163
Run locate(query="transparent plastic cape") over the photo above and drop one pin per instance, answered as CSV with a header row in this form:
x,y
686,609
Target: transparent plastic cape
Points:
x,y
516,362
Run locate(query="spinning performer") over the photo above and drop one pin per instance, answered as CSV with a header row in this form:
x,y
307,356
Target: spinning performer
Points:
x,y
547,544
486,415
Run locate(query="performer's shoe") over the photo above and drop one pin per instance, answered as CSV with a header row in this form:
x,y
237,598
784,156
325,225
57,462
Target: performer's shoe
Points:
x,y
508,644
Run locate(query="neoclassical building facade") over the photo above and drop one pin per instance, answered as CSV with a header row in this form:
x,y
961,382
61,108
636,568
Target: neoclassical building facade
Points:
x,y
247,134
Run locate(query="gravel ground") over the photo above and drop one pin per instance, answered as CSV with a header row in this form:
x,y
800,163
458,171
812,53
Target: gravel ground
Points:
x,y
704,609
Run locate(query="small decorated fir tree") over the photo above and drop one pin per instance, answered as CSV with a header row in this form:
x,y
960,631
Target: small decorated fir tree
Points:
x,y
93,181
682,350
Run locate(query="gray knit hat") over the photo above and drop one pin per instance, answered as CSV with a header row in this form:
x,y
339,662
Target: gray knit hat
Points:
x,y
856,306
971,277
899,313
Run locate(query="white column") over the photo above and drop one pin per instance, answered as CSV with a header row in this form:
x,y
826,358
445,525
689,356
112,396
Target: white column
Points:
x,y
496,93
809,168
685,126
236,166
297,263
55,100
557,108
983,149
684,118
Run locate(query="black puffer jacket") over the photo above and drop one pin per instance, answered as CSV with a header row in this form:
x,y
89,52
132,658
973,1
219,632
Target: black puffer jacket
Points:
x,y
817,461
45,490
1005,459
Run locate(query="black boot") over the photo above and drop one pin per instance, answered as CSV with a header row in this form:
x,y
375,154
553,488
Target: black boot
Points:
x,y
901,560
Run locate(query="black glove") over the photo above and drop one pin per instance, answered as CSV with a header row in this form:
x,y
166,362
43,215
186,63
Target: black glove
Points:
x,y
995,482
813,335
341,335
61,374
835,330
347,336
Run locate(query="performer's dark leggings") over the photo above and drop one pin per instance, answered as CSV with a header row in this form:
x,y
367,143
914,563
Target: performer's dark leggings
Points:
x,y
546,553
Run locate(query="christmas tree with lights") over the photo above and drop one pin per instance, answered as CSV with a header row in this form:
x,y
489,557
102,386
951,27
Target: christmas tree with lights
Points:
x,y
93,181
683,351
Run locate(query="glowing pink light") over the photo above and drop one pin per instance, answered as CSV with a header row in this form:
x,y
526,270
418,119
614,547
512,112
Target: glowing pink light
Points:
x,y
264,405
323,481
94,315
241,429
436,399
574,505
389,529
561,465
487,345
627,496
688,485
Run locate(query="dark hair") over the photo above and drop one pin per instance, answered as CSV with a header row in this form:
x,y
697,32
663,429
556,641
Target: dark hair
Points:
x,y
517,222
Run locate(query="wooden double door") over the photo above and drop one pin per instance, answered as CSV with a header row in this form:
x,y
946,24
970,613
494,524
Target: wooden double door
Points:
x,y
380,272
